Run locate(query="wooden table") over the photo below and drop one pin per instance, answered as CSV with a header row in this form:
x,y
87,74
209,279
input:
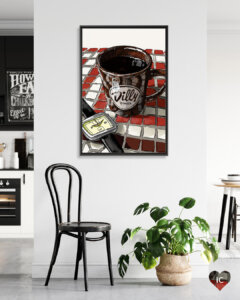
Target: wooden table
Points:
x,y
227,188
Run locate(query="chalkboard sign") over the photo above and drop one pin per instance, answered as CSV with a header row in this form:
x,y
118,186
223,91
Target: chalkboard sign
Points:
x,y
20,96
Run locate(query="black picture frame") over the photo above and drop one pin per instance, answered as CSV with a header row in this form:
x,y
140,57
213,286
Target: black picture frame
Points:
x,y
82,27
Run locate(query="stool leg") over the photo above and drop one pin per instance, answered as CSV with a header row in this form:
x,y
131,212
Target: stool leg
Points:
x,y
54,256
85,260
109,257
229,222
235,221
78,256
224,203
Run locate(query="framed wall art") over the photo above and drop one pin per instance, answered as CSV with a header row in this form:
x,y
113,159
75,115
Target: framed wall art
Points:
x,y
124,88
20,97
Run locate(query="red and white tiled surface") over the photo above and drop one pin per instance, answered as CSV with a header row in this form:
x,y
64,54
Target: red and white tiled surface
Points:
x,y
143,133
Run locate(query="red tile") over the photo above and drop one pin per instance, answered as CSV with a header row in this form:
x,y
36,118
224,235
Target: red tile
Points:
x,y
98,111
102,49
136,119
149,51
161,103
84,93
161,147
84,60
151,103
149,120
100,105
121,119
89,79
132,143
150,91
151,82
158,52
84,49
102,96
148,145
94,71
152,66
92,49
160,82
161,122
160,66
85,86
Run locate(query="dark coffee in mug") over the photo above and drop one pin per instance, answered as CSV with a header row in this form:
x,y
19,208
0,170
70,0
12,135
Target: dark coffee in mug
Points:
x,y
125,71
124,64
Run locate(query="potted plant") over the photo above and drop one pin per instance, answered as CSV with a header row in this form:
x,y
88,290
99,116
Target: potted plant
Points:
x,y
170,240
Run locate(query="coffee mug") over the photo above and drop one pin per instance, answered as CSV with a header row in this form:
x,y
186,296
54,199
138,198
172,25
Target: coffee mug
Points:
x,y
125,71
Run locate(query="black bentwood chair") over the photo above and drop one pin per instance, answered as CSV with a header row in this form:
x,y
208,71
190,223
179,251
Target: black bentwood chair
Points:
x,y
77,229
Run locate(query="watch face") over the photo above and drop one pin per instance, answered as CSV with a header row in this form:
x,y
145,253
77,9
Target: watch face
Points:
x,y
98,126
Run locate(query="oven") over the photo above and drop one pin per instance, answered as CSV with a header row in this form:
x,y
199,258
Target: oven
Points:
x,y
10,202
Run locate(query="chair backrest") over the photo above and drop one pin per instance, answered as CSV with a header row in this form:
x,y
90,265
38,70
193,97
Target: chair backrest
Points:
x,y
51,183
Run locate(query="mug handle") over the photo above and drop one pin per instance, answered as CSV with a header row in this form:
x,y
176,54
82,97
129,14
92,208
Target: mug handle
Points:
x,y
153,73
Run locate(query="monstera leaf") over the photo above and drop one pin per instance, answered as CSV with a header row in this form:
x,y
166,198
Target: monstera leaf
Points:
x,y
141,208
148,261
202,224
123,263
134,231
126,235
153,234
139,249
187,202
157,213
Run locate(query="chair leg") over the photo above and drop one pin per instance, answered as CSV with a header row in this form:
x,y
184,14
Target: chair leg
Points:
x,y
229,223
109,257
85,260
78,256
54,256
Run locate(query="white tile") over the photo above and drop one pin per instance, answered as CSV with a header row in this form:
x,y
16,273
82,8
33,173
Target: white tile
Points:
x,y
90,62
149,132
121,129
95,55
161,134
91,95
85,149
96,146
110,113
149,111
161,112
160,58
90,103
83,77
87,54
134,130
105,151
164,93
85,70
98,80
95,87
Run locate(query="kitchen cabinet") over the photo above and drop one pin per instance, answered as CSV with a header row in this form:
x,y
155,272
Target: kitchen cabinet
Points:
x,y
16,54
25,230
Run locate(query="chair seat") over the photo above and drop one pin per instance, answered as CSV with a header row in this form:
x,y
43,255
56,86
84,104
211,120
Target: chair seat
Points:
x,y
84,226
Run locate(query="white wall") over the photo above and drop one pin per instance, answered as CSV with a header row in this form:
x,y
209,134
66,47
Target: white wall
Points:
x,y
223,109
8,137
126,181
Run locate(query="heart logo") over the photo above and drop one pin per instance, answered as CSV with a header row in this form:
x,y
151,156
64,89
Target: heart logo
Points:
x,y
219,280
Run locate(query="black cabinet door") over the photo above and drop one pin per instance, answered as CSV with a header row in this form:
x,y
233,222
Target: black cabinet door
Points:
x,y
19,52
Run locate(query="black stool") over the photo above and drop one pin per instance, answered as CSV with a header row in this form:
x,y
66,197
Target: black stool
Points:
x,y
77,229
235,216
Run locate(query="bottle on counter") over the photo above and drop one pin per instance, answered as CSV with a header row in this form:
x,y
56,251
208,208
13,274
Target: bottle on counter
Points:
x,y
15,160
30,157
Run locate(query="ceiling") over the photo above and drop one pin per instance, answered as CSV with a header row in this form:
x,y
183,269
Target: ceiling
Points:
x,y
16,10
223,12
219,11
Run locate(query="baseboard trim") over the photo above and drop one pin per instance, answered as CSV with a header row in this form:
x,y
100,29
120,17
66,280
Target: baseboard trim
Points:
x,y
101,271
